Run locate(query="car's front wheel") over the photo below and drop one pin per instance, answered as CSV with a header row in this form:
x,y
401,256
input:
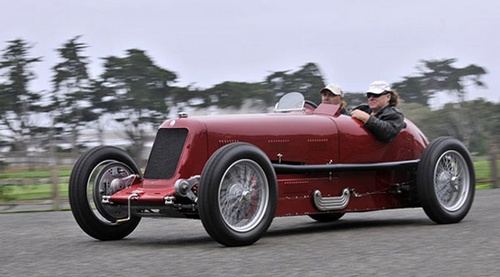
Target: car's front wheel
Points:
x,y
237,194
446,180
90,181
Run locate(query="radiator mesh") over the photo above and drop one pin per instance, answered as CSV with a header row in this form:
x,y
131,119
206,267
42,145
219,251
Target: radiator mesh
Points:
x,y
165,153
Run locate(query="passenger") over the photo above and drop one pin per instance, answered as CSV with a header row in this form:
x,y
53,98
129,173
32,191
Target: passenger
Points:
x,y
381,116
333,94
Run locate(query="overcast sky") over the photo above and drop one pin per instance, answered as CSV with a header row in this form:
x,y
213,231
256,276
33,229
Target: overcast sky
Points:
x,y
207,42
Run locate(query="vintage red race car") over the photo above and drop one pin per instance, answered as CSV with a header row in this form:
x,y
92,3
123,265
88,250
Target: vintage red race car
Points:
x,y
237,172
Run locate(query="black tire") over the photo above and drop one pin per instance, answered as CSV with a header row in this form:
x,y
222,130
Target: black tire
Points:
x,y
327,217
446,181
88,182
237,194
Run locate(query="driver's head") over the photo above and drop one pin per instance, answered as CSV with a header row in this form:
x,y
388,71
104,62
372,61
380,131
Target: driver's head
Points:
x,y
332,94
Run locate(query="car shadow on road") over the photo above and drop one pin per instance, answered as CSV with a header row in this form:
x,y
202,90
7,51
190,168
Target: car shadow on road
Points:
x,y
198,238
346,225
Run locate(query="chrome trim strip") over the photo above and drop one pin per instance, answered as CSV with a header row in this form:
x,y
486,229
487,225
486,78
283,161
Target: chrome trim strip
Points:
x,y
289,168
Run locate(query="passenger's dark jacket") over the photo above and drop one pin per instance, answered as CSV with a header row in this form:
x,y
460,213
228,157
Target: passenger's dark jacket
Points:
x,y
386,124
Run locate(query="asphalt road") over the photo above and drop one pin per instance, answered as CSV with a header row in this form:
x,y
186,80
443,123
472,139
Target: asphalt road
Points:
x,y
383,243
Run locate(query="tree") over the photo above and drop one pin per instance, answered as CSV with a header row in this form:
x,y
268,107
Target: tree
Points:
x,y
436,76
418,113
413,90
234,94
441,75
308,80
72,95
134,89
17,102
354,99
479,118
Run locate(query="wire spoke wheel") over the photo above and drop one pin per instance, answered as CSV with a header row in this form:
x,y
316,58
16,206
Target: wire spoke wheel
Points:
x,y
243,195
451,180
237,196
446,180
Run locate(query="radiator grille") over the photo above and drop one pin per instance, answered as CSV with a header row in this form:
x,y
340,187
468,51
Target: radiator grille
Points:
x,y
165,153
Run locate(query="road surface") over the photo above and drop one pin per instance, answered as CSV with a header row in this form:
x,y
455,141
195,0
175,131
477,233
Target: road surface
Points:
x,y
383,243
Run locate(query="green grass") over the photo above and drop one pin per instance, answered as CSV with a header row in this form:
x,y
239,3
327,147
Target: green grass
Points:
x,y
482,169
483,174
32,192
34,174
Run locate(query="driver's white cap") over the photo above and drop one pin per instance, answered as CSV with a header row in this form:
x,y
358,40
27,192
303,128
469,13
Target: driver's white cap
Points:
x,y
379,87
333,88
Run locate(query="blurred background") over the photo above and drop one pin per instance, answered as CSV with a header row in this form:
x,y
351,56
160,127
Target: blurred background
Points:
x,y
84,73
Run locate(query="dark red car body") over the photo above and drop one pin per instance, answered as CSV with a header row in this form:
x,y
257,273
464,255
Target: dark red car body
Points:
x,y
295,141
324,164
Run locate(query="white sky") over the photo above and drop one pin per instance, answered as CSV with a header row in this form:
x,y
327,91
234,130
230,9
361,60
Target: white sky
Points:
x,y
207,42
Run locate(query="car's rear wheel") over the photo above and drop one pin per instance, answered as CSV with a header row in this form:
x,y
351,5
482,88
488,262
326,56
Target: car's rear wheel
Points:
x,y
446,180
89,181
237,194
326,217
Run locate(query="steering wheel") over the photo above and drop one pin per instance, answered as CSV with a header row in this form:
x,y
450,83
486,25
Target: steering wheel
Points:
x,y
310,103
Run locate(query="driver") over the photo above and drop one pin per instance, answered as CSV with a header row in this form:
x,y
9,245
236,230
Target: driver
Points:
x,y
381,116
333,94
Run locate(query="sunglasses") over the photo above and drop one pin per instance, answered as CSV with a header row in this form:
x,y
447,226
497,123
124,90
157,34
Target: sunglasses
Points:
x,y
369,94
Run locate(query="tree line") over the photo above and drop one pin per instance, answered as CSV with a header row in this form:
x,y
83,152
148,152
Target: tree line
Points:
x,y
133,92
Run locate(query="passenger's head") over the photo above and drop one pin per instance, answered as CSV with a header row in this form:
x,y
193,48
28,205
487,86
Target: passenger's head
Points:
x,y
332,94
380,95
